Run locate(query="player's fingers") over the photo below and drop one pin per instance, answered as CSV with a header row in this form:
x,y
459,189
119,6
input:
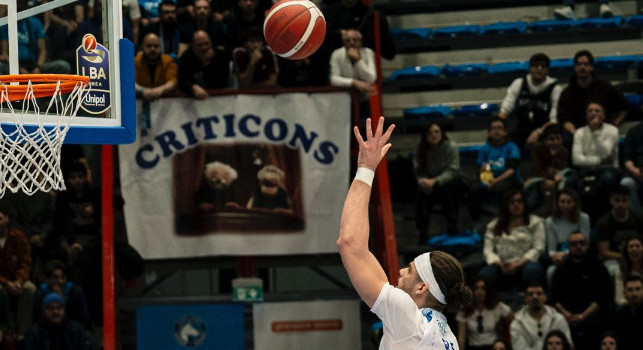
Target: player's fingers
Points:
x,y
385,149
388,132
369,129
358,136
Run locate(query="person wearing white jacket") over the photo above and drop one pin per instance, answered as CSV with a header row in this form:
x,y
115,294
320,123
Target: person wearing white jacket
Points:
x,y
353,65
534,320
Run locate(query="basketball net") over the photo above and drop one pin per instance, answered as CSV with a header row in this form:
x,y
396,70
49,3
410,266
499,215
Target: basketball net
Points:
x,y
30,154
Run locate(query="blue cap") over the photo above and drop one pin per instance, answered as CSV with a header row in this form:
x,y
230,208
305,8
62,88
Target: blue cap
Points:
x,y
52,298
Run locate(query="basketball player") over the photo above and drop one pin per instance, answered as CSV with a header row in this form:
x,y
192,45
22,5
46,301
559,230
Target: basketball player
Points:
x,y
412,313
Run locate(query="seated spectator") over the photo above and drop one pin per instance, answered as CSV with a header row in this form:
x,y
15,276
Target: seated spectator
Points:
x,y
566,218
353,65
628,321
633,161
535,320
550,168
55,330
498,160
567,11
60,25
483,321
437,168
56,281
246,14
220,37
500,344
584,86
556,340
203,67
255,65
595,153
615,227
168,30
513,243
32,48
609,341
533,101
156,72
580,291
149,11
631,262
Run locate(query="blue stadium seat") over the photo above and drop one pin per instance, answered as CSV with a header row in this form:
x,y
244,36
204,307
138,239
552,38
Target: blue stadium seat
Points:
x,y
551,25
600,22
504,28
478,110
465,69
636,20
411,33
615,62
509,67
457,31
427,113
635,100
416,73
561,64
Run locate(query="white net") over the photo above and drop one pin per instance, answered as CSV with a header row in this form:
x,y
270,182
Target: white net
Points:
x,y
30,153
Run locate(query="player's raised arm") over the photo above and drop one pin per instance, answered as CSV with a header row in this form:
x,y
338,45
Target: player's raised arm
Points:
x,y
364,270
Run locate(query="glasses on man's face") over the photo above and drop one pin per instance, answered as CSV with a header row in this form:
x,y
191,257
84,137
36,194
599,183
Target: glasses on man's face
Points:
x,y
540,329
480,328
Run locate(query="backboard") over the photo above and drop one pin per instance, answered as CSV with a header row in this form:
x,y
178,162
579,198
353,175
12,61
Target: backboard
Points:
x,y
83,37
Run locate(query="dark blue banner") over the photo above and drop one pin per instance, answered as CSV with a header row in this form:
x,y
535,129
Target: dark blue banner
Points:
x,y
92,60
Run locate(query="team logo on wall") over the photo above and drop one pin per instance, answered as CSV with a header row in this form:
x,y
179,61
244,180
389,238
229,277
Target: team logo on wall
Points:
x,y
92,60
189,331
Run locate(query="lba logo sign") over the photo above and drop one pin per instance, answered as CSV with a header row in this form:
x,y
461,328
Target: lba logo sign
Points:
x,y
92,60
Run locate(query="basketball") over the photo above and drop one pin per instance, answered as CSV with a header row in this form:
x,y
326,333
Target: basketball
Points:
x,y
294,29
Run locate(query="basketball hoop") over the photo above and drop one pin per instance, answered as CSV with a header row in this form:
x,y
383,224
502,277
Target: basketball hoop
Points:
x,y
30,148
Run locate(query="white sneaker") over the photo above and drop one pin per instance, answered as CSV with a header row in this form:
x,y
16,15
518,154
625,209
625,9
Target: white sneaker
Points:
x,y
565,12
606,11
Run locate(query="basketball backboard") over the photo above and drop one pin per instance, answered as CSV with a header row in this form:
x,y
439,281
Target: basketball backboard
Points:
x,y
78,37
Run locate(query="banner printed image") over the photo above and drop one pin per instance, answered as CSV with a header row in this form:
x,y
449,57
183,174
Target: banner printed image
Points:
x,y
239,188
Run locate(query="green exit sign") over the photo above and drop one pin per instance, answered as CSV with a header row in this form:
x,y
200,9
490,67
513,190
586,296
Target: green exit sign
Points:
x,y
247,289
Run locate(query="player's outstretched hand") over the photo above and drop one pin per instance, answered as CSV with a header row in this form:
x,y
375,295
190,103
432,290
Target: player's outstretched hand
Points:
x,y
375,147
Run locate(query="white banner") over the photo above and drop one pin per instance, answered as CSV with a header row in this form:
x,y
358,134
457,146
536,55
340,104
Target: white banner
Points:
x,y
310,325
238,175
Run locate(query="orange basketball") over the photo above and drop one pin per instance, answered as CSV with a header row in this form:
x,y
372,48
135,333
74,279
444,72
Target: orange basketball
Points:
x,y
294,29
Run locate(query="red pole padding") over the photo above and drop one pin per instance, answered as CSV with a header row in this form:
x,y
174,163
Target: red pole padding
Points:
x,y
109,298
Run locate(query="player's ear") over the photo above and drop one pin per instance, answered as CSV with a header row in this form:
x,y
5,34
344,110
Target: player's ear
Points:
x,y
421,287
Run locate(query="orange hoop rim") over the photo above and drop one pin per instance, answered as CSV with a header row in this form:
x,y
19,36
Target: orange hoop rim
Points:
x,y
44,85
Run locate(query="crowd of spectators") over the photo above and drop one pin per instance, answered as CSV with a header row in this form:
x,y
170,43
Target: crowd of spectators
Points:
x,y
578,262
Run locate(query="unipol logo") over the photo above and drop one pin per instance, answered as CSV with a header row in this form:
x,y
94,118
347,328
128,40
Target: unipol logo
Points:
x,y
92,60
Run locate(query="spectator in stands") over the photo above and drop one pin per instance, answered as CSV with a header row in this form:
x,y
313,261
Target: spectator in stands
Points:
x,y
535,320
483,321
132,21
437,168
246,14
56,282
628,321
513,243
556,340
615,227
15,269
168,30
55,330
567,11
633,161
585,86
219,36
595,153
255,65
353,65
203,67
533,101
149,11
566,218
294,73
550,168
500,344
631,262
498,160
32,48
609,341
60,25
34,216
580,291
156,72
